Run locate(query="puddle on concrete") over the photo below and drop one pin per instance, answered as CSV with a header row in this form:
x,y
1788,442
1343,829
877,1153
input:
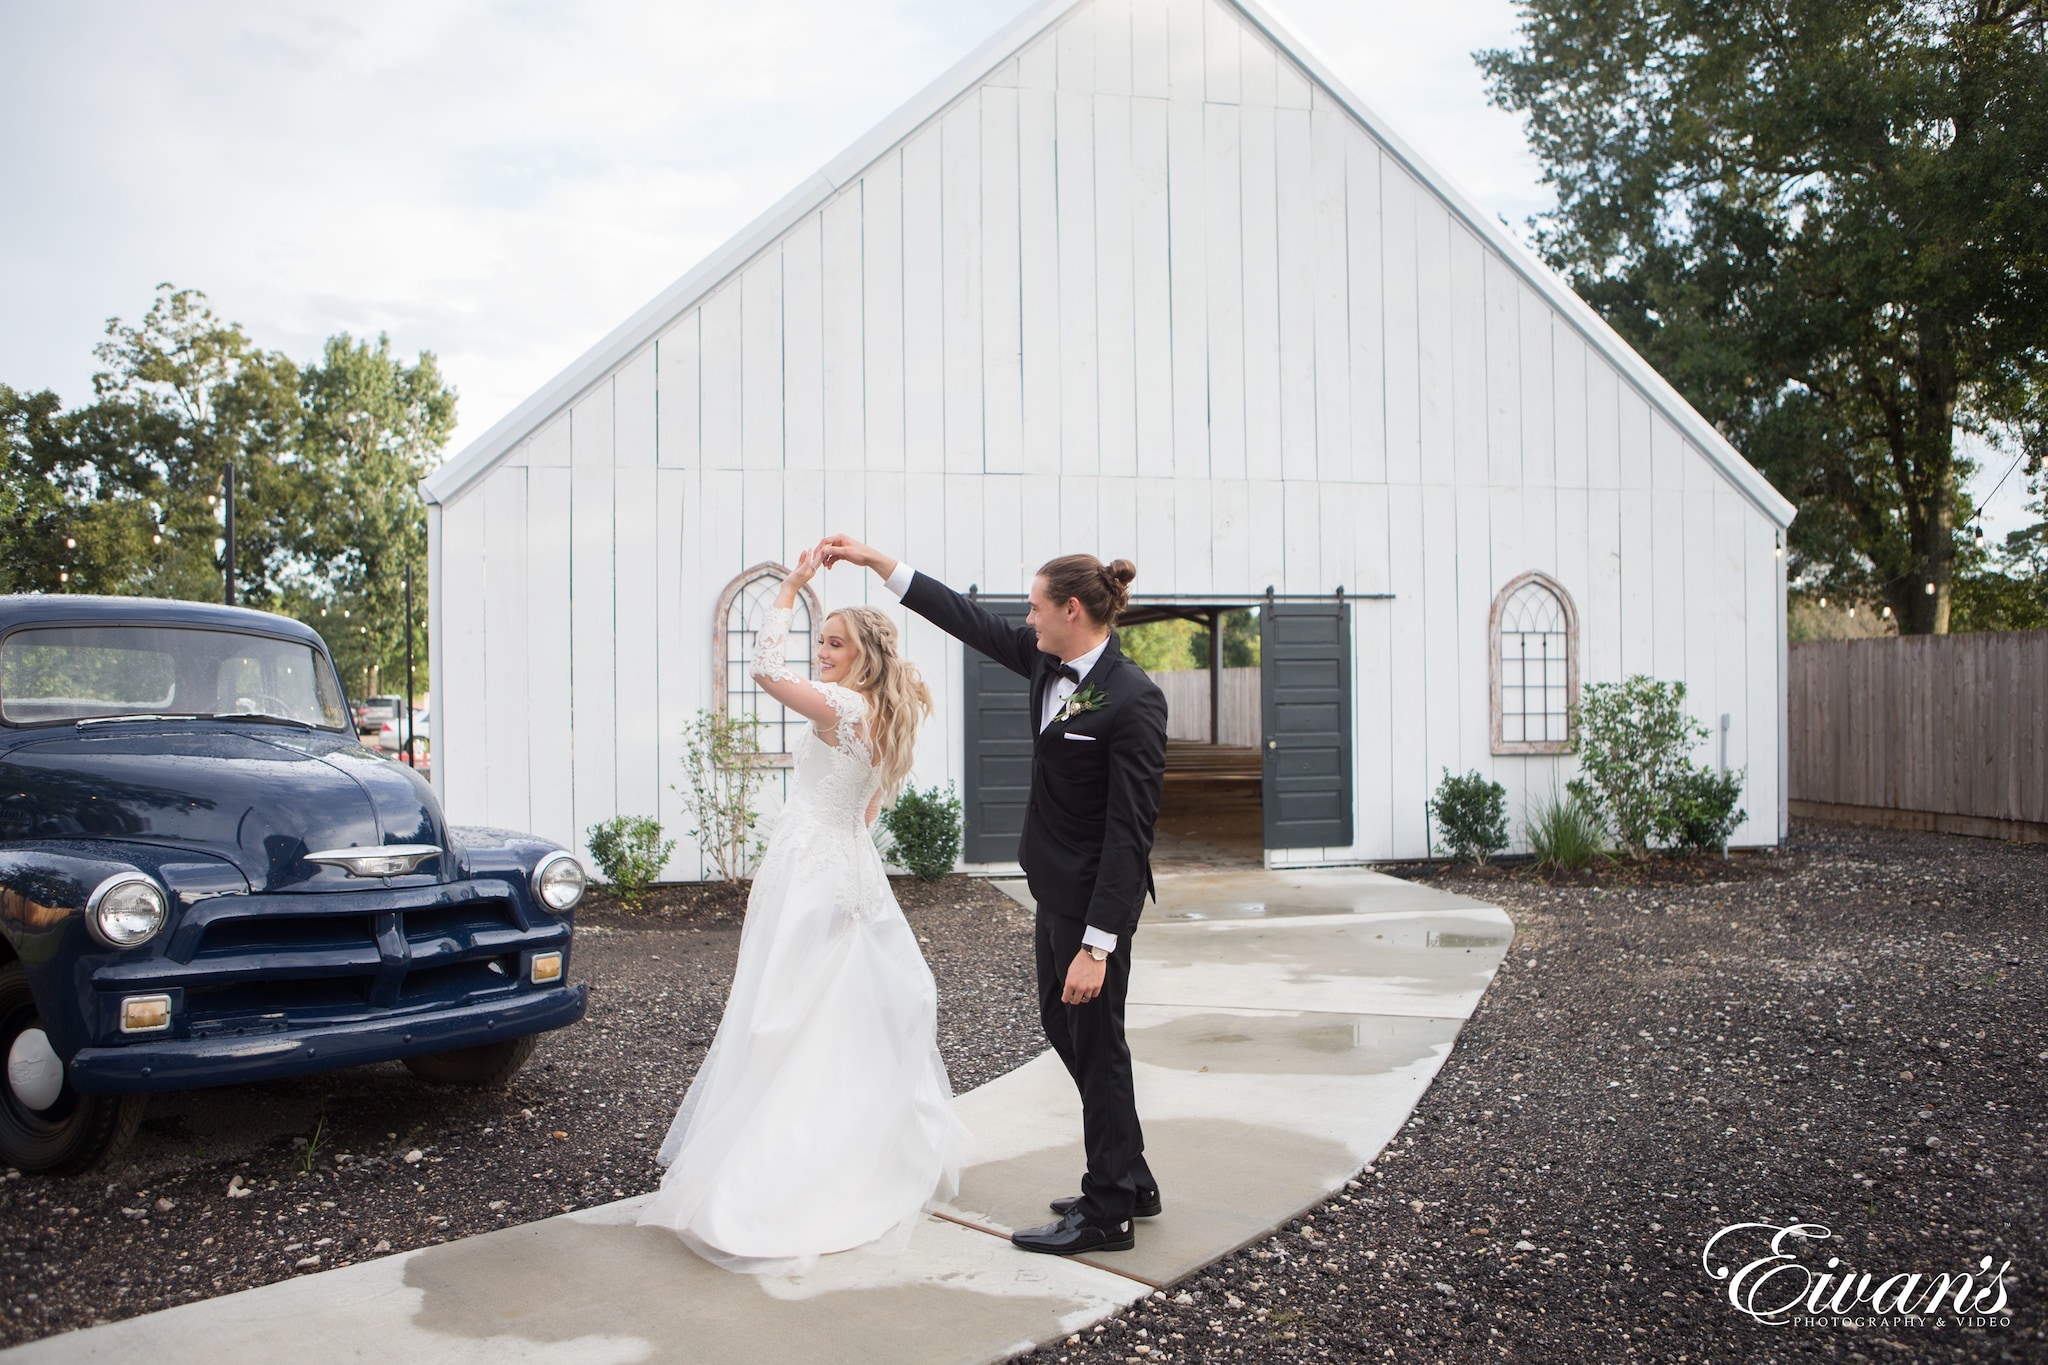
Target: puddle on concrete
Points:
x,y
1259,910
1465,941
1291,1044
1222,1182
1405,950
588,1290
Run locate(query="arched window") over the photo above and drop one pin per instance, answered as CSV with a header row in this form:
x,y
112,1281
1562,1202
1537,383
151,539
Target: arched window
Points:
x,y
1535,633
741,607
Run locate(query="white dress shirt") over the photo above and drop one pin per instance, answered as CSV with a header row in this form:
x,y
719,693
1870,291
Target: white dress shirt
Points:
x,y
1055,697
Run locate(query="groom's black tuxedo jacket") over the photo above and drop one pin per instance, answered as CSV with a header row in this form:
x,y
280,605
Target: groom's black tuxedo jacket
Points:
x,y
1086,848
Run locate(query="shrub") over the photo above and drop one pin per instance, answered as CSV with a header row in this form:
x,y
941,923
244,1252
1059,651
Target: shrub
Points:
x,y
1632,741
924,831
1470,811
630,852
719,761
1566,833
1701,812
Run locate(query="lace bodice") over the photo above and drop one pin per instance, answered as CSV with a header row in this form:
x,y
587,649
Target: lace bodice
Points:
x,y
835,776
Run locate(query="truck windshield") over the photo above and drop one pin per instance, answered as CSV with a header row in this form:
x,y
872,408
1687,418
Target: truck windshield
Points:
x,y
71,673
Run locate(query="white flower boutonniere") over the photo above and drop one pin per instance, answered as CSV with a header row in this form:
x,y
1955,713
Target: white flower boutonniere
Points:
x,y
1089,698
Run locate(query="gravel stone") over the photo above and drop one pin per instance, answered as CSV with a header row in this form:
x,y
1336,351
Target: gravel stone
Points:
x,y
400,1164
1784,1029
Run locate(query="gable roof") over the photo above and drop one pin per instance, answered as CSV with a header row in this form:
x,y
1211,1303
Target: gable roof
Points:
x,y
480,456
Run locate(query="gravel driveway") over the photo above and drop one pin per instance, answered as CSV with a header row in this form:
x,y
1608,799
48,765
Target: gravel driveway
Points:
x,y
1849,1033
339,1167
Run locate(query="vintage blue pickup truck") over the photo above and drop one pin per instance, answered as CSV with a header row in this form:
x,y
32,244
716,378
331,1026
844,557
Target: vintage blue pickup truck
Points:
x,y
205,879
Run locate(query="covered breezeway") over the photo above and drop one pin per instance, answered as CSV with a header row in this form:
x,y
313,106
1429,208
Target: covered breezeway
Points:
x,y
1253,762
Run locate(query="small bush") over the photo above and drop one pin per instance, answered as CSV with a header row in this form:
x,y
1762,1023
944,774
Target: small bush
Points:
x,y
1632,740
630,852
1701,812
1471,813
721,763
924,831
1566,833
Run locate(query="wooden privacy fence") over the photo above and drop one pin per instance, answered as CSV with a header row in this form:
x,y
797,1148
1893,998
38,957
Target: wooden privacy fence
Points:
x,y
1187,705
1945,732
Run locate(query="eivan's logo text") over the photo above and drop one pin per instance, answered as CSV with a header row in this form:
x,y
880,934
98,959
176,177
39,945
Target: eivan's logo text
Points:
x,y
1776,1286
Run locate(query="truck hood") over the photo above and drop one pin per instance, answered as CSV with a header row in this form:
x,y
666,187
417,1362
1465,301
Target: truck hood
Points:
x,y
261,796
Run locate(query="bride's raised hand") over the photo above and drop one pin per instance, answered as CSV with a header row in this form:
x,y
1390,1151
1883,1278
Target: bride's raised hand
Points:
x,y
807,565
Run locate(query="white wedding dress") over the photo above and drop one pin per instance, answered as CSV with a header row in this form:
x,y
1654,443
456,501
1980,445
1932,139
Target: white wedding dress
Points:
x,y
821,1118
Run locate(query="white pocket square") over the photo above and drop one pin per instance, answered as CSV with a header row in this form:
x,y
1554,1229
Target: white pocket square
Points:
x,y
1069,734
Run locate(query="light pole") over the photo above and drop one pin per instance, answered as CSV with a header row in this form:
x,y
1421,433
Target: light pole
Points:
x,y
228,560
411,760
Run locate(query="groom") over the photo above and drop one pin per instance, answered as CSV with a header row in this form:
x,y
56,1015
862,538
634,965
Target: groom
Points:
x,y
1096,769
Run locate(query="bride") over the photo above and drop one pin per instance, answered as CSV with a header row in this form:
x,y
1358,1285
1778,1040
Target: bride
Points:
x,y
821,1118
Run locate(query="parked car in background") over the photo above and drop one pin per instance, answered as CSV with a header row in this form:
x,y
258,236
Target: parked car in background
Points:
x,y
390,733
206,879
371,712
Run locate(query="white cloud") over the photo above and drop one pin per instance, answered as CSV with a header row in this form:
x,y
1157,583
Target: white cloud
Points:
x,y
503,183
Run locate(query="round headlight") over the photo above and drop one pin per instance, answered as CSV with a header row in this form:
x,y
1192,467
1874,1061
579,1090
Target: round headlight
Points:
x,y
127,909
558,881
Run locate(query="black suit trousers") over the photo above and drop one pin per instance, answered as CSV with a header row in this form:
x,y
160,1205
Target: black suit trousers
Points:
x,y
1090,1041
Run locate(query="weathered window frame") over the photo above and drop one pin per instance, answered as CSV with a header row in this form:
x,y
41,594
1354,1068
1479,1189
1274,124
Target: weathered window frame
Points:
x,y
1570,612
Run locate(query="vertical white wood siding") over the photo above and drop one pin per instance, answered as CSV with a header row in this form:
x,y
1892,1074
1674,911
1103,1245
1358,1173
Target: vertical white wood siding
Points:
x,y
1146,290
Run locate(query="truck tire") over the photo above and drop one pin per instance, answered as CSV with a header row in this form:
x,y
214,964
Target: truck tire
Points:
x,y
71,1132
486,1067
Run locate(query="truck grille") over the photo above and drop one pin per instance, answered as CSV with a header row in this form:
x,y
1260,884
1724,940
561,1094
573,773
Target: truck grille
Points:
x,y
287,934
293,967
462,922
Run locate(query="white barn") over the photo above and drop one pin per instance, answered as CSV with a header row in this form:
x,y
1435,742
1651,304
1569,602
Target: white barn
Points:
x,y
1138,277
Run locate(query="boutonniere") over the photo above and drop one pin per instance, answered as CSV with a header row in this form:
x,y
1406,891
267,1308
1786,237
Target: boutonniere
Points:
x,y
1089,698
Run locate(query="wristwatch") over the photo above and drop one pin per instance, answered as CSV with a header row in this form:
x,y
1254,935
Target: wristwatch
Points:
x,y
1098,953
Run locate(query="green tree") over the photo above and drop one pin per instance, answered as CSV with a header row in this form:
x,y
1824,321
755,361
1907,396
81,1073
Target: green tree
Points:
x,y
375,426
1167,646
1827,223
182,395
62,527
327,462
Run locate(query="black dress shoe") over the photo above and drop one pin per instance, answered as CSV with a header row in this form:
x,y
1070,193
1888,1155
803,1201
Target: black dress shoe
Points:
x,y
1147,1205
1074,1234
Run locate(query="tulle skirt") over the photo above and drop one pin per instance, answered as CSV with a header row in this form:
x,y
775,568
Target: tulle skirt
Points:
x,y
821,1119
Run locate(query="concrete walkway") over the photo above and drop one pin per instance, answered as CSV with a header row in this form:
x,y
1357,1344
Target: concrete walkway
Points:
x,y
1284,1026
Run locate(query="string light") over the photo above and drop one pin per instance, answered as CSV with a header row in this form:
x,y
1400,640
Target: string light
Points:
x,y
70,544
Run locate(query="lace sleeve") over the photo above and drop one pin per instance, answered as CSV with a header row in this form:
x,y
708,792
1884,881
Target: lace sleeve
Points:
x,y
849,708
769,643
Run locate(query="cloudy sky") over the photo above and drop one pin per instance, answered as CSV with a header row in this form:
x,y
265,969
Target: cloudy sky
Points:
x,y
503,182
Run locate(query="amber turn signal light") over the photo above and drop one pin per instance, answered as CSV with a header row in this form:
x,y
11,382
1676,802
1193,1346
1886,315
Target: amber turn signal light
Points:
x,y
145,1014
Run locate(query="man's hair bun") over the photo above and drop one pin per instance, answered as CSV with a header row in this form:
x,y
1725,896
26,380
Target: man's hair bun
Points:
x,y
1103,589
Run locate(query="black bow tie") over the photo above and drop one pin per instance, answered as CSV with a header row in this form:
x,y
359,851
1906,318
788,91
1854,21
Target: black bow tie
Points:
x,y
1068,672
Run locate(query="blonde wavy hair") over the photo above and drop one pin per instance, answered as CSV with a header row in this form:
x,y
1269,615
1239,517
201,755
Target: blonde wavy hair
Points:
x,y
898,699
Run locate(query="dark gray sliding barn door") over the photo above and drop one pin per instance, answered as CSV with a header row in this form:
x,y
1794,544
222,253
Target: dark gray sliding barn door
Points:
x,y
1305,700
998,752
